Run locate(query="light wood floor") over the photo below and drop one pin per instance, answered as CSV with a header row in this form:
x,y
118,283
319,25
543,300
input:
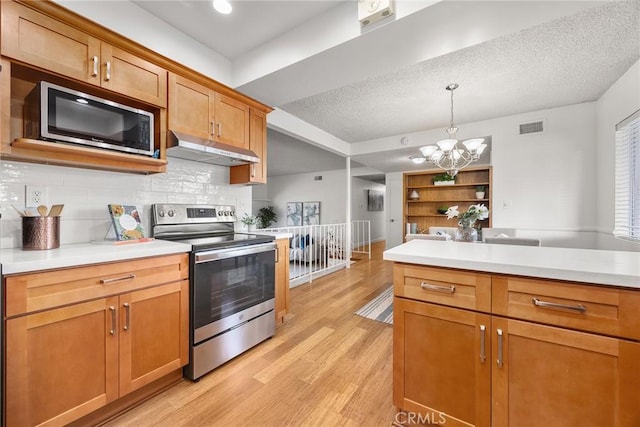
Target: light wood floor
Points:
x,y
324,367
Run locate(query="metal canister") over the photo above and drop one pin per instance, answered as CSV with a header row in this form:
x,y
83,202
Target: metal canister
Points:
x,y
40,232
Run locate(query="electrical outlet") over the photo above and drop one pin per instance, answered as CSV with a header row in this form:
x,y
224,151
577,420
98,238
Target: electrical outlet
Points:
x,y
35,196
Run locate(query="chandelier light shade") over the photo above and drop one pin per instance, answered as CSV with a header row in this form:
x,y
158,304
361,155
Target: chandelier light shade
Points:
x,y
447,154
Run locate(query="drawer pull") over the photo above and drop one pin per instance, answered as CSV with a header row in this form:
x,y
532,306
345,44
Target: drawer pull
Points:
x,y
483,355
117,279
499,361
447,289
108,76
113,320
127,312
553,305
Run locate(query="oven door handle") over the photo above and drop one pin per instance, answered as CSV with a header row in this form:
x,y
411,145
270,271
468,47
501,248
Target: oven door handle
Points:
x,y
219,254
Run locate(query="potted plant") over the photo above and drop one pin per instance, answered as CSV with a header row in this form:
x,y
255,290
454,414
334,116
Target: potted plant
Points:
x,y
267,216
249,221
443,179
442,209
480,192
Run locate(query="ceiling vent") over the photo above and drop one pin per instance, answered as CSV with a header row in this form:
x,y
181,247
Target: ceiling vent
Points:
x,y
370,11
533,127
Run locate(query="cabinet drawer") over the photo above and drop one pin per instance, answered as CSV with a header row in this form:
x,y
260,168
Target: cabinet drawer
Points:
x,y
464,289
578,306
28,293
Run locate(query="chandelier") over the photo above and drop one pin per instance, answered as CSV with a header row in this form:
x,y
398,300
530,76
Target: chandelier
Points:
x,y
447,154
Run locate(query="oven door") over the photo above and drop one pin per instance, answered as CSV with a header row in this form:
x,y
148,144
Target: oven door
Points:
x,y
230,287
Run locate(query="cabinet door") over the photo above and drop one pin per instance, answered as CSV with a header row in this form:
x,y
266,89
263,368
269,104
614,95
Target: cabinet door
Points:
x,y
191,107
61,364
253,173
440,364
282,280
130,75
44,42
154,327
552,376
232,121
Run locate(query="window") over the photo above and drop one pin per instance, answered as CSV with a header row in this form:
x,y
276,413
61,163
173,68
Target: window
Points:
x,y
627,184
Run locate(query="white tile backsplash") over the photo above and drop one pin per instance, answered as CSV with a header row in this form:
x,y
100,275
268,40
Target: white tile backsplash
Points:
x,y
86,194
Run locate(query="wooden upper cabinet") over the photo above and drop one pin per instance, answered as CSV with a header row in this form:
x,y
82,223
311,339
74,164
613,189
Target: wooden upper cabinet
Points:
x,y
232,121
191,107
253,173
130,75
201,111
47,43
36,39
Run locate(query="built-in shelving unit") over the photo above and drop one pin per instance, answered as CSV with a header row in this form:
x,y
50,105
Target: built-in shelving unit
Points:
x,y
424,210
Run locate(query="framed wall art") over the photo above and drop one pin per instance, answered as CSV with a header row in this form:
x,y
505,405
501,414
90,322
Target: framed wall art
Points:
x,y
375,200
294,213
311,213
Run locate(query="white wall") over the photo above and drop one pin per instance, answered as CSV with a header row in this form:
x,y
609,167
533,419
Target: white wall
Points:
x,y
330,192
620,101
543,184
86,193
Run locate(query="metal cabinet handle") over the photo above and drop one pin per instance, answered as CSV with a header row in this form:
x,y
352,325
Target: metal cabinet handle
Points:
x,y
219,129
117,279
429,287
555,306
127,312
94,59
483,355
499,361
108,76
277,254
253,170
113,320
213,126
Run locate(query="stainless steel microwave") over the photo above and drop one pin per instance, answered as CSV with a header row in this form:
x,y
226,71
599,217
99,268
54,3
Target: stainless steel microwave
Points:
x,y
59,114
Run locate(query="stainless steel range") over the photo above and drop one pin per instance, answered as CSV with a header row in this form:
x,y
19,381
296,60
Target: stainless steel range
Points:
x,y
232,282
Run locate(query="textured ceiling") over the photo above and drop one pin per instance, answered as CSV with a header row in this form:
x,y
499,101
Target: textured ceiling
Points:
x,y
563,62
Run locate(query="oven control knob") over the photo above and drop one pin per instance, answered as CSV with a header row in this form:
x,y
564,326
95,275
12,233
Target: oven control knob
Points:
x,y
232,213
171,213
161,214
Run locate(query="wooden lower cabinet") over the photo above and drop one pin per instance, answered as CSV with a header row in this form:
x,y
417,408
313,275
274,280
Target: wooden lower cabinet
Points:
x,y
61,364
551,376
439,371
461,367
67,361
282,280
152,338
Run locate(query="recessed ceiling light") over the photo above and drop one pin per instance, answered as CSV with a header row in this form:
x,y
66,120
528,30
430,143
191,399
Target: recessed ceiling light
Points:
x,y
222,6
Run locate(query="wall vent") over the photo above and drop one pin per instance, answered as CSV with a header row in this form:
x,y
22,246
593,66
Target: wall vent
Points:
x,y
317,178
533,127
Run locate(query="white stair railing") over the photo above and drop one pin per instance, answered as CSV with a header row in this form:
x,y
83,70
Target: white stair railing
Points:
x,y
361,237
315,250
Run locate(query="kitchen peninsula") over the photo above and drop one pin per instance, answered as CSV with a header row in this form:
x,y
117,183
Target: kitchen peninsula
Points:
x,y
512,335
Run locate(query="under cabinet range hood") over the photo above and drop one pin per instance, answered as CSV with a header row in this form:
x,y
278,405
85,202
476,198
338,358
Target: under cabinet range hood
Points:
x,y
189,147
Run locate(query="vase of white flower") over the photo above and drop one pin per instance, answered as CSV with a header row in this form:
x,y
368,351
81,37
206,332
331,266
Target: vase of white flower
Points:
x,y
466,231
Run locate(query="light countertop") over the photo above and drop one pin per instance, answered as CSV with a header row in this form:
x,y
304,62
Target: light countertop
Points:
x,y
15,260
616,268
277,235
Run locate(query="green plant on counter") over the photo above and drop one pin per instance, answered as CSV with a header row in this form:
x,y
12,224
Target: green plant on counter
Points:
x,y
479,188
248,220
267,216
